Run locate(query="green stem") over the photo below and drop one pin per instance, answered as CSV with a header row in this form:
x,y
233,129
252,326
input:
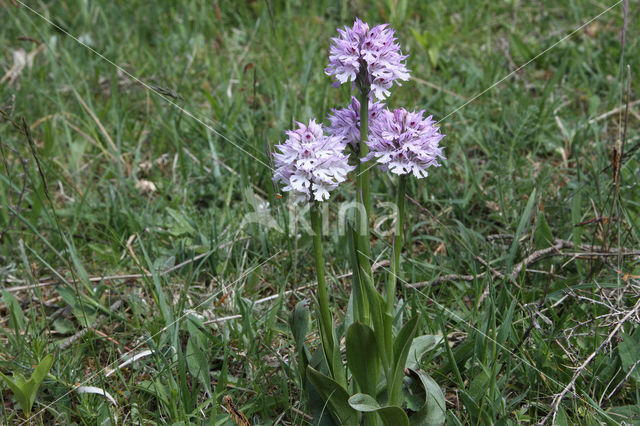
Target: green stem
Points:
x,y
363,169
363,193
326,320
398,241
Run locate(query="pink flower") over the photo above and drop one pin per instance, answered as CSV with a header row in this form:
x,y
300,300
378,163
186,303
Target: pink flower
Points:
x,y
368,57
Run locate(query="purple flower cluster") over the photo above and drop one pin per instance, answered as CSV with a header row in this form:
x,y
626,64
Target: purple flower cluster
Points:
x,y
310,163
404,142
369,56
345,122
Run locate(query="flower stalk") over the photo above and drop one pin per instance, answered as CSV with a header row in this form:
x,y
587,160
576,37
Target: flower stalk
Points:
x,y
398,241
325,318
363,167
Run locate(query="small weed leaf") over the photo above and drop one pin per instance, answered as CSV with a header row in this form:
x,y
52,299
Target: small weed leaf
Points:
x,y
25,390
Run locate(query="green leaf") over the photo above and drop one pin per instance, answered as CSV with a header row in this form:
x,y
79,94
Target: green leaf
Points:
x,y
362,357
25,390
401,347
360,305
376,304
181,225
299,323
16,383
16,317
198,364
576,217
433,410
334,395
561,418
625,413
64,326
523,223
505,328
363,402
543,236
479,385
479,416
629,353
390,415
419,348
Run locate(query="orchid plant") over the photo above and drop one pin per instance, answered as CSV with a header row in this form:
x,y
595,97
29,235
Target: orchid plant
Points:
x,y
379,382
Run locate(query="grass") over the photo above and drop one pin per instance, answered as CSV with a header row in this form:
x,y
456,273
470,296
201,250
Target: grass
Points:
x,y
119,181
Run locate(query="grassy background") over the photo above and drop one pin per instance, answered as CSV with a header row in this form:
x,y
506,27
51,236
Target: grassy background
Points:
x,y
529,158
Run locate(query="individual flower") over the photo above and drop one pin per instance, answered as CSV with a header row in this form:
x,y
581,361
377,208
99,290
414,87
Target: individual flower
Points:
x,y
370,57
404,142
345,122
310,163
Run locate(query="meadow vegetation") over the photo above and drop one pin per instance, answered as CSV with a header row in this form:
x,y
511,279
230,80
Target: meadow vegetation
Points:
x,y
134,158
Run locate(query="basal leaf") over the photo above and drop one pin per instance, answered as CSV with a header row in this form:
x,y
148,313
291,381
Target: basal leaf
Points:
x,y
334,395
390,415
401,347
362,357
433,411
419,347
25,391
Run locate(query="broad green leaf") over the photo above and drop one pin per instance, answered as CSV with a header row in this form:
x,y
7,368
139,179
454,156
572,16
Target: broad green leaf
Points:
x,y
360,305
561,418
332,354
376,304
390,415
16,317
419,348
38,375
401,347
543,236
334,395
16,384
505,328
64,326
299,323
478,386
404,339
198,364
25,391
363,402
433,411
362,357
181,225
625,413
629,352
576,217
